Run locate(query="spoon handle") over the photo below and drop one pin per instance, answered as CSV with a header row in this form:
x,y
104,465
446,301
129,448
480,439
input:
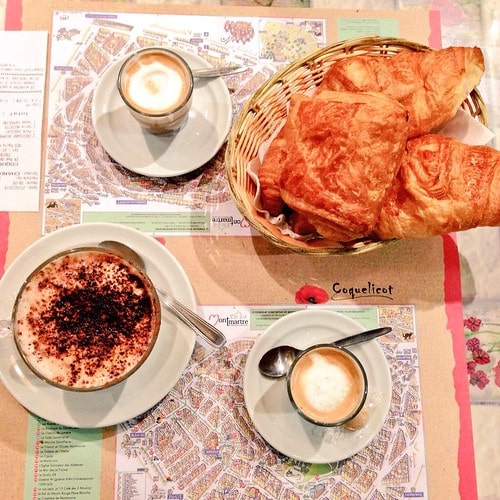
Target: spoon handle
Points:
x,y
363,336
207,331
214,72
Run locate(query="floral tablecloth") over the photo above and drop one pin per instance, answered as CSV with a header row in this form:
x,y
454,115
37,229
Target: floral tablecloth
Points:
x,y
479,251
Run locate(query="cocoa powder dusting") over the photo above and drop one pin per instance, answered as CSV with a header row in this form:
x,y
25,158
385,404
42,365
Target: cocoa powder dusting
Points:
x,y
99,309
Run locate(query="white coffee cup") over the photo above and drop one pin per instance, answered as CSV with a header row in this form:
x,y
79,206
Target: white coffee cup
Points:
x,y
86,319
156,84
327,385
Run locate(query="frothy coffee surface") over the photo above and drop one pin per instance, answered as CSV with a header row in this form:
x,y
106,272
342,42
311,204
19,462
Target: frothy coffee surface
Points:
x,y
326,385
155,83
86,319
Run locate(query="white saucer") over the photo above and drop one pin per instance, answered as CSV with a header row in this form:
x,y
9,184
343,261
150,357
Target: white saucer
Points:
x,y
149,384
161,156
267,399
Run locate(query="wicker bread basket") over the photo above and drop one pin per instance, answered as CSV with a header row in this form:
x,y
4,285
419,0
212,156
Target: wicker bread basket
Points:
x,y
264,113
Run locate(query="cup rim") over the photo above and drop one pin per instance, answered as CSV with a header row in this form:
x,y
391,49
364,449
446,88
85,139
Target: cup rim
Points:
x,y
173,53
124,376
349,354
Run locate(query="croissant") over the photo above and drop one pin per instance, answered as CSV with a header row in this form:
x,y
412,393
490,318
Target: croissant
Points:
x,y
431,85
269,175
442,186
343,152
300,224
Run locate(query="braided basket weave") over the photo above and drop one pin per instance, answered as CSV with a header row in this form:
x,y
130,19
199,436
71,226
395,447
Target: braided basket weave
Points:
x,y
264,113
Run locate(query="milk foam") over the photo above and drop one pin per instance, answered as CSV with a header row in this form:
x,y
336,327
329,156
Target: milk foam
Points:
x,y
155,87
41,307
327,385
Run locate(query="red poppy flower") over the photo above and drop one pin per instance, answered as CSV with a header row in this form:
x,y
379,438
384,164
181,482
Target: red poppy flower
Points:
x,y
311,294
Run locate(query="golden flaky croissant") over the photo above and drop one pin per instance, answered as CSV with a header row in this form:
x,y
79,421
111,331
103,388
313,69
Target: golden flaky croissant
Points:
x,y
431,84
342,153
442,186
269,174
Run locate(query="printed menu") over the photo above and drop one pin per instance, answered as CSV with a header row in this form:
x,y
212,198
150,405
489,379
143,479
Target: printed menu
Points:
x,y
22,81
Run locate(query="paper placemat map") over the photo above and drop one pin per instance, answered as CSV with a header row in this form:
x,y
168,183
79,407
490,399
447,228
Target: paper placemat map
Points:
x,y
83,184
199,442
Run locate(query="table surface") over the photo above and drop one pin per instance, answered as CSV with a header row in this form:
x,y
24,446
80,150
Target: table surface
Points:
x,y
464,22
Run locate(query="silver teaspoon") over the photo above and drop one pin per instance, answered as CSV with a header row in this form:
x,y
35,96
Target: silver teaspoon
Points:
x,y
276,362
207,331
214,72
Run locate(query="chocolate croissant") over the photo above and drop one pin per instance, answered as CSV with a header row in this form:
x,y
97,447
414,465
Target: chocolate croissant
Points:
x,y
442,186
431,85
343,152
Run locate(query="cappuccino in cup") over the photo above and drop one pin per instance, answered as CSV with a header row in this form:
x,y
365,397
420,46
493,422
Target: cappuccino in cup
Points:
x,y
86,319
156,85
327,385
